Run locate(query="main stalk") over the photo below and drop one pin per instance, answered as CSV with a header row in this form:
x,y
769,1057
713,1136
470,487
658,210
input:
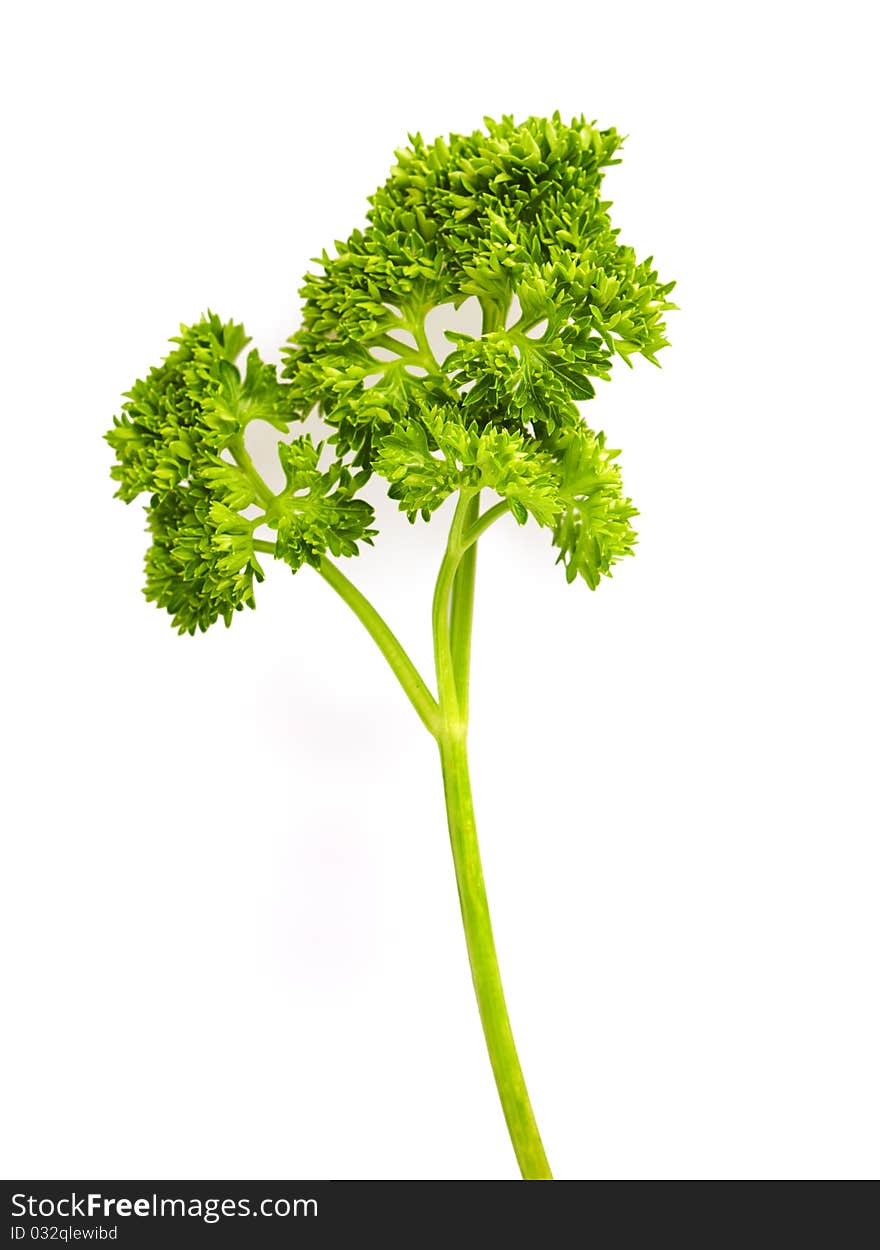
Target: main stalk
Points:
x,y
446,718
453,606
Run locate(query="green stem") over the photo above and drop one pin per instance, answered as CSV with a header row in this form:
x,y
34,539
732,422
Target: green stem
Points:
x,y
461,612
483,959
410,353
443,660
414,323
452,655
242,458
429,360
401,665
482,523
446,719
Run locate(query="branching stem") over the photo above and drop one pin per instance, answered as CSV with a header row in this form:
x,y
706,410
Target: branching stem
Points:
x,y
401,665
446,719
482,523
242,458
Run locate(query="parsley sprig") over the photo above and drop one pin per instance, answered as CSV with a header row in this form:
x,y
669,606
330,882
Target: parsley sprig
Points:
x,y
513,216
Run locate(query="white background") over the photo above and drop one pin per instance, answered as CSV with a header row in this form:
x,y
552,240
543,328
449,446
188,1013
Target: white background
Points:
x,y
230,937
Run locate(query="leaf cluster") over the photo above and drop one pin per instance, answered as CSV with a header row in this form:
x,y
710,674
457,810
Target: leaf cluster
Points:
x,y
575,489
512,215
180,439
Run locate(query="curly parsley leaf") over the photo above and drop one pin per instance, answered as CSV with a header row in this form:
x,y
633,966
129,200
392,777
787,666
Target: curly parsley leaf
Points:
x,y
180,439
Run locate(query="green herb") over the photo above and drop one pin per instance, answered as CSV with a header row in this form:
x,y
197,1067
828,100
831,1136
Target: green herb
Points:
x,y
514,217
